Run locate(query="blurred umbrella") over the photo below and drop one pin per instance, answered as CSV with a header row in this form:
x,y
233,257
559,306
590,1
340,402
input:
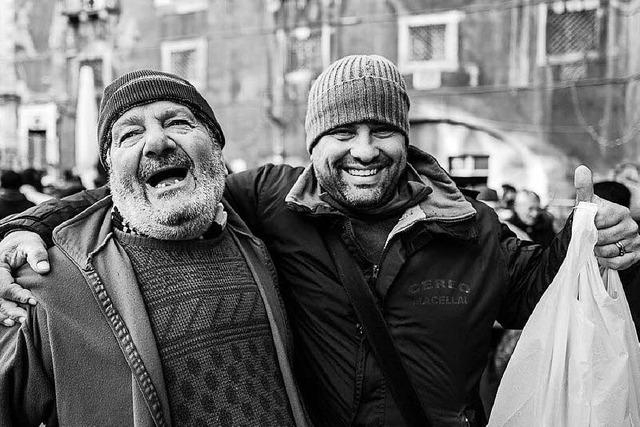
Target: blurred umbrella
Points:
x,y
86,128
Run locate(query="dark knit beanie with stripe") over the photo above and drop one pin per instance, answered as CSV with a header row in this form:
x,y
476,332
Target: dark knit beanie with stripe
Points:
x,y
143,87
355,89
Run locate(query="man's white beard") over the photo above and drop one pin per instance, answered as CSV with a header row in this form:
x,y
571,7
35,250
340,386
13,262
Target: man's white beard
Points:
x,y
181,216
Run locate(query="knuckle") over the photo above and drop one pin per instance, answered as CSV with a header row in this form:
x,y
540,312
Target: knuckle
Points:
x,y
6,305
5,290
5,268
13,291
623,262
614,265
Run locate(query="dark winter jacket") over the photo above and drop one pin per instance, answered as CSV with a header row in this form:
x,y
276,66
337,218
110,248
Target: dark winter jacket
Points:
x,y
449,270
86,354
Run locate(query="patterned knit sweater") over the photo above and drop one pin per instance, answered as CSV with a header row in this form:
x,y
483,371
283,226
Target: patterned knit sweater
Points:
x,y
212,332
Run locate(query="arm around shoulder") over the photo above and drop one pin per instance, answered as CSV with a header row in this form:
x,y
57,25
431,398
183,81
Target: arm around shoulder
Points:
x,y
249,191
43,218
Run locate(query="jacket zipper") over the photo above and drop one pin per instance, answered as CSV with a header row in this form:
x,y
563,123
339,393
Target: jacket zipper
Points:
x,y
121,332
376,267
376,270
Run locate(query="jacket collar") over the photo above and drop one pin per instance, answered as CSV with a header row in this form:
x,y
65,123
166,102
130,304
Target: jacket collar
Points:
x,y
445,203
73,237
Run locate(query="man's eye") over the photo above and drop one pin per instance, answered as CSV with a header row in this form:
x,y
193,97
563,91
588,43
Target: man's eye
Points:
x,y
127,135
342,134
384,133
179,122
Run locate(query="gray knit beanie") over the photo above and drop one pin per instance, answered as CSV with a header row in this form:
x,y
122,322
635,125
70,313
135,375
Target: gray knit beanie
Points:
x,y
143,87
354,89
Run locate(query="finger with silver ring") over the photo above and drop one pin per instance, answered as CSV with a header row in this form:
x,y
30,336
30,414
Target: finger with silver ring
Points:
x,y
621,249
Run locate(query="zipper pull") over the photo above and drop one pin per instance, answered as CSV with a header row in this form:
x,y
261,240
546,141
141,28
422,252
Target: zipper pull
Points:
x,y
376,270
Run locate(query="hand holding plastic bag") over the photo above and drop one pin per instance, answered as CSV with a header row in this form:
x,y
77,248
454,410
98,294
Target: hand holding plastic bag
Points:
x,y
577,362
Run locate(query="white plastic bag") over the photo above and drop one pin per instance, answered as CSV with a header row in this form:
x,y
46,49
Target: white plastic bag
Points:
x,y
577,362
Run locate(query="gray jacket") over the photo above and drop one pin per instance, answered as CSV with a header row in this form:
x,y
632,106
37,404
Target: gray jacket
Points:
x,y
86,354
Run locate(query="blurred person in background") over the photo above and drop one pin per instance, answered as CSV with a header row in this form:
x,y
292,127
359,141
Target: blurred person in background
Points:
x,y
70,184
531,218
508,196
11,199
489,196
32,186
102,176
613,191
629,175
502,204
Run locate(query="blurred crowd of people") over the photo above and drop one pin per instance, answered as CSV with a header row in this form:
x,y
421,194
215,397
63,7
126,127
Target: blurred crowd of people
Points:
x,y
521,209
19,190
522,212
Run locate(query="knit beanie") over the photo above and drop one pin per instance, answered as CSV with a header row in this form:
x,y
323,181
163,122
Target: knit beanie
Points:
x,y
143,87
354,89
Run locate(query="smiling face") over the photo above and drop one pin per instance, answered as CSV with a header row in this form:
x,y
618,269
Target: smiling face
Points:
x,y
360,164
166,171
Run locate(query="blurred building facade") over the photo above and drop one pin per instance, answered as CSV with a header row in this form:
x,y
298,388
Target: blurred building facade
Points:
x,y
536,87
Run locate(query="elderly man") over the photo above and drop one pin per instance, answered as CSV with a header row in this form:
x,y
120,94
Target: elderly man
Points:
x,y
531,219
160,307
372,209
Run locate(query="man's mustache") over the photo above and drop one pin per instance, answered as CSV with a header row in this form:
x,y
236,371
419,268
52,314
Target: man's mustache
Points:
x,y
150,166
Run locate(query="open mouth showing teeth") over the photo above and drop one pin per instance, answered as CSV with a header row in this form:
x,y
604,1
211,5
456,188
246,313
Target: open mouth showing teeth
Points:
x,y
362,172
167,177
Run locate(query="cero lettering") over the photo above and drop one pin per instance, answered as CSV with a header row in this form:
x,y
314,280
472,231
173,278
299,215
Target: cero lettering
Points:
x,y
434,284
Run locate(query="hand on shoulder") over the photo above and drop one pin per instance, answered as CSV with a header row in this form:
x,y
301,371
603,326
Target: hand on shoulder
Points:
x,y
16,249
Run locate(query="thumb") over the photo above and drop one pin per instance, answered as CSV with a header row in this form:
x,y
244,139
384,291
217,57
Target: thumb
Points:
x,y
583,181
38,259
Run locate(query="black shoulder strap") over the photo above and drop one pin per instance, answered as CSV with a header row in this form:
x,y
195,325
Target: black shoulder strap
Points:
x,y
375,328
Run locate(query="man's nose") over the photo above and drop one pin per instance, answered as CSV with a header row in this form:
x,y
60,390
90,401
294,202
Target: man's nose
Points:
x,y
157,142
364,149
